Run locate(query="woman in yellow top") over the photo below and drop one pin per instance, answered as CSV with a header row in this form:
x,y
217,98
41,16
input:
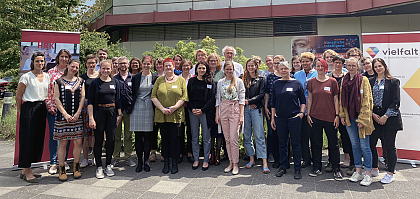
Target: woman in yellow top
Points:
x,y
169,94
356,105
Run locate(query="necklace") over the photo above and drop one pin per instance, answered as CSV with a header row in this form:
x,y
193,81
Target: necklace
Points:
x,y
173,76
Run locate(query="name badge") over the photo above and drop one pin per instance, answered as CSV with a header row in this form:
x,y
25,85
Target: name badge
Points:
x,y
289,89
129,83
327,88
382,87
67,87
361,90
208,86
174,86
112,86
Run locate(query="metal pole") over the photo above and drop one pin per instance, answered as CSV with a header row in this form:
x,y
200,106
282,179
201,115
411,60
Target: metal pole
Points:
x,y
7,103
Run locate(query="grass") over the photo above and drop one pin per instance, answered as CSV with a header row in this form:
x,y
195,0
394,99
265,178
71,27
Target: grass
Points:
x,y
8,123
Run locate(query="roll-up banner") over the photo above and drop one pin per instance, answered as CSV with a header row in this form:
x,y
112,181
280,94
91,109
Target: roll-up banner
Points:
x,y
401,52
318,44
49,43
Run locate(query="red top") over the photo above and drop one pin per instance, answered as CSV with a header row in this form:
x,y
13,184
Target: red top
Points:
x,y
323,93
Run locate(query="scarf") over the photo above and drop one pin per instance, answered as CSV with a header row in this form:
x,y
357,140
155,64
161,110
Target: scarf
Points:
x,y
350,95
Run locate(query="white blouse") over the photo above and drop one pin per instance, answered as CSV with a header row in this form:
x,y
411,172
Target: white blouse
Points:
x,y
35,90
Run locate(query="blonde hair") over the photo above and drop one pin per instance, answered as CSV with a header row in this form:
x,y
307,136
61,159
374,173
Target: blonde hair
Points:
x,y
200,50
308,55
233,82
281,57
110,63
332,52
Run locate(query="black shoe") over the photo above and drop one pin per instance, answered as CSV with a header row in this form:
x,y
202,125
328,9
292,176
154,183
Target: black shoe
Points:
x,y
246,158
146,168
174,168
180,159
338,176
276,165
205,168
315,173
225,157
139,168
305,164
191,159
194,167
298,175
329,168
281,172
165,169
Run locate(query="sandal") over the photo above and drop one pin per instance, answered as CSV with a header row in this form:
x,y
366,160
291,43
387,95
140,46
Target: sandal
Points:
x,y
249,165
266,170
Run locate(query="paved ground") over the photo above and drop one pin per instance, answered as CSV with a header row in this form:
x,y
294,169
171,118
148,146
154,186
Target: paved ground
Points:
x,y
213,183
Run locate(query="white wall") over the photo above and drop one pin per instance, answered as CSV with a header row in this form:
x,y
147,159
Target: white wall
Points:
x,y
282,45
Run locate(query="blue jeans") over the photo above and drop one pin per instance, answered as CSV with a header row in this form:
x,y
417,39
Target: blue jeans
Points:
x,y
359,146
253,120
53,144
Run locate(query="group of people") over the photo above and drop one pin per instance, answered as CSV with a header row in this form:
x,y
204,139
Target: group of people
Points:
x,y
218,99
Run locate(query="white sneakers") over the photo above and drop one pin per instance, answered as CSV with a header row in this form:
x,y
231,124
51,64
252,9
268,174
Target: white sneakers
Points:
x,y
356,177
100,173
388,179
367,180
108,171
374,173
84,163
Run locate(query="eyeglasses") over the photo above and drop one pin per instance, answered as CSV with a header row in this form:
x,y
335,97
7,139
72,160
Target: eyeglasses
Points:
x,y
351,66
354,55
123,63
212,60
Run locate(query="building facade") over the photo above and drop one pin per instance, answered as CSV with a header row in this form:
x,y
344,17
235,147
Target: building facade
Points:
x,y
258,27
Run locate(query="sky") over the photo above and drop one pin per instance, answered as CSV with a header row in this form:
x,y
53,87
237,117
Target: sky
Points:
x,y
90,2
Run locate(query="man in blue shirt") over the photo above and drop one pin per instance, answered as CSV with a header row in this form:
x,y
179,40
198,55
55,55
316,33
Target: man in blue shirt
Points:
x,y
124,80
102,55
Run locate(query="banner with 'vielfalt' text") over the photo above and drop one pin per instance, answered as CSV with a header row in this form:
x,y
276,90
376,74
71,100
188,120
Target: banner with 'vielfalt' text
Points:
x,y
401,52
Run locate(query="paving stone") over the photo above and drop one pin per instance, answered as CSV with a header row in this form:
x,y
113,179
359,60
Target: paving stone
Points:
x,y
123,194
168,187
79,191
150,194
4,191
229,193
114,181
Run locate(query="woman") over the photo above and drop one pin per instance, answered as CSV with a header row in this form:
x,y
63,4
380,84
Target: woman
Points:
x,y
215,64
323,117
386,115
115,66
177,60
63,59
230,101
69,95
253,116
185,66
158,67
135,66
287,108
367,66
201,56
104,108
32,89
88,139
356,112
272,140
201,90
328,56
168,95
270,69
141,112
307,73
338,75
296,66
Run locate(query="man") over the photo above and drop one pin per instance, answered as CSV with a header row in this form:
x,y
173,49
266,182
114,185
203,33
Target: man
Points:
x,y
124,80
229,52
102,55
